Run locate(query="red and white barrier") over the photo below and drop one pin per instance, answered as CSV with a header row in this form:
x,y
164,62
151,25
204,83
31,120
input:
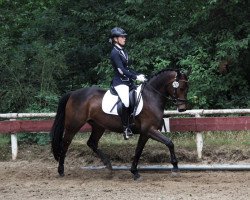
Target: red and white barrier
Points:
x,y
195,124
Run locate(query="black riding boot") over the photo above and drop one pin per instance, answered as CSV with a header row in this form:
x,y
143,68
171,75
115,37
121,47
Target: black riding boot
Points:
x,y
125,122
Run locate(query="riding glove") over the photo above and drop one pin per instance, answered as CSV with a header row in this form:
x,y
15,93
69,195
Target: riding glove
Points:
x,y
141,78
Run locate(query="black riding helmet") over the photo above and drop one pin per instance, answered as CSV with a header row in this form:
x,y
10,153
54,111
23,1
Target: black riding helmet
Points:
x,y
117,32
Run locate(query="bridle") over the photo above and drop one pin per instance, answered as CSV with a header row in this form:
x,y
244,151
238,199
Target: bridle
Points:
x,y
175,84
177,101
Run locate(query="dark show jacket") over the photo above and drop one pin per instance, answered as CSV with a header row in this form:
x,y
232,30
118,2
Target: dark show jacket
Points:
x,y
120,60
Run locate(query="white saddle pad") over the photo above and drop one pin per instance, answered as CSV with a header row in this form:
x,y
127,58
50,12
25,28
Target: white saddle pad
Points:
x,y
109,100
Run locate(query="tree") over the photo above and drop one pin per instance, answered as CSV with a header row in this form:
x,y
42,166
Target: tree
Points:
x,y
49,47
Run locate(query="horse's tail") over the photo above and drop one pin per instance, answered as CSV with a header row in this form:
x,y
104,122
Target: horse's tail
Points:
x,y
57,129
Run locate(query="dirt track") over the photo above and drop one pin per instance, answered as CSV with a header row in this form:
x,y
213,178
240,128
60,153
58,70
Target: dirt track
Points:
x,y
38,179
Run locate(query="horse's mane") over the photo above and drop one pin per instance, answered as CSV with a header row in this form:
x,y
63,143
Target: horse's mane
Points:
x,y
160,72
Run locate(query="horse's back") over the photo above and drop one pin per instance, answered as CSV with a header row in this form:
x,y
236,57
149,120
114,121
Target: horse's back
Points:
x,y
81,104
84,94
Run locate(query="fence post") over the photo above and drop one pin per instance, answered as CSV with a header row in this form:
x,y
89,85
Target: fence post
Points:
x,y
14,147
199,140
166,125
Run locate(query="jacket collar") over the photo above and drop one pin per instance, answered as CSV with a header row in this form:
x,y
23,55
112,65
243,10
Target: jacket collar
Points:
x,y
121,51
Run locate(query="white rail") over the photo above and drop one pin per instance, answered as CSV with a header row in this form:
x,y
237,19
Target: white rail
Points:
x,y
208,112
166,112
26,115
187,167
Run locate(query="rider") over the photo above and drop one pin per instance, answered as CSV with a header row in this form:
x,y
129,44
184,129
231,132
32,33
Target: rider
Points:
x,y
124,77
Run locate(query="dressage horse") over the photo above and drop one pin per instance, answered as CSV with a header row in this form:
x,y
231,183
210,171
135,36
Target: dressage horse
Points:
x,y
84,106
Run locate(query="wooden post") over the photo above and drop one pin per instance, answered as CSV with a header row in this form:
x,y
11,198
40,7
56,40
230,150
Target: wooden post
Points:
x,y
166,125
14,147
199,141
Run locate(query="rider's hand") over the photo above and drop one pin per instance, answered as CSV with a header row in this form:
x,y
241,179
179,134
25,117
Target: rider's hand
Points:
x,y
141,78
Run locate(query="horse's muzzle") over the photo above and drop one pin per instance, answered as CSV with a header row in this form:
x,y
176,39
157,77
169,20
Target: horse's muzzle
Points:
x,y
182,109
182,106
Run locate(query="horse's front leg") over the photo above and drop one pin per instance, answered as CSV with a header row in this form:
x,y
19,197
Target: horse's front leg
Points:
x,y
140,145
158,136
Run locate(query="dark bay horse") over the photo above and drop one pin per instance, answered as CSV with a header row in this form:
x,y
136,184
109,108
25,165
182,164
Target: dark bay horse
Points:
x,y
84,106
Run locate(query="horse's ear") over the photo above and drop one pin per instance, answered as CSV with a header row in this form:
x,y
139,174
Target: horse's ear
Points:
x,y
187,71
179,72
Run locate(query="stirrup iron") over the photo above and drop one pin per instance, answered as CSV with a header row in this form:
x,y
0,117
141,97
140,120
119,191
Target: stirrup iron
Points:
x,y
127,133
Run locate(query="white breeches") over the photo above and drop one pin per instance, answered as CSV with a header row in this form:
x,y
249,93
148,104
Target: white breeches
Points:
x,y
123,92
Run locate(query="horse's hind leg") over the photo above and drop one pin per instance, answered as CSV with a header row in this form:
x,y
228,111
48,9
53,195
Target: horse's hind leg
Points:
x,y
96,134
67,139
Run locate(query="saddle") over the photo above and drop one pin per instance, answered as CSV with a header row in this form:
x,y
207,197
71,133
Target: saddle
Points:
x,y
111,103
132,100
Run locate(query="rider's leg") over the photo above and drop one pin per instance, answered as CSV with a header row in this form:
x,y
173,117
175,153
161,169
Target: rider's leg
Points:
x,y
123,92
125,121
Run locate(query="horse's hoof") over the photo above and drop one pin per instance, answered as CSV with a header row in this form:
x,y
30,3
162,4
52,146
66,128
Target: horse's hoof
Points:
x,y
107,163
137,177
175,173
61,174
110,175
109,167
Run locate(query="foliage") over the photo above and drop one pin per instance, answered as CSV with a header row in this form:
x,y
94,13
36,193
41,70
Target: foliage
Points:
x,y
39,138
49,47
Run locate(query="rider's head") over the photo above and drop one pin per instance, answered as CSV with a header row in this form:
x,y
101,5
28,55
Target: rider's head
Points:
x,y
118,36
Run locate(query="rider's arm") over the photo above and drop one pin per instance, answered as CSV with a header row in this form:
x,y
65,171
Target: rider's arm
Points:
x,y
116,59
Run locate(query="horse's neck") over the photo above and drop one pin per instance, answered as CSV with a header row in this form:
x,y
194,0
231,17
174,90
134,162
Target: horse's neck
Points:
x,y
157,89
159,82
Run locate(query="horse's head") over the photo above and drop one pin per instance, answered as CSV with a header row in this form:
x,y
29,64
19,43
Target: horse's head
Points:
x,y
177,88
171,83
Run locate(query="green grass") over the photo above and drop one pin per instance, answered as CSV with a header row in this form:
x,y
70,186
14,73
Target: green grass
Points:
x,y
231,139
217,145
4,140
240,139
186,140
5,150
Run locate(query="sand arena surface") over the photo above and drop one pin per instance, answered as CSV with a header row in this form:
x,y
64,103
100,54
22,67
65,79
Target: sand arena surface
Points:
x,y
38,179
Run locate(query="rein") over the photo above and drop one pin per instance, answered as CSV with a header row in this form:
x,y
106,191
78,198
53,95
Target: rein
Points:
x,y
175,85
